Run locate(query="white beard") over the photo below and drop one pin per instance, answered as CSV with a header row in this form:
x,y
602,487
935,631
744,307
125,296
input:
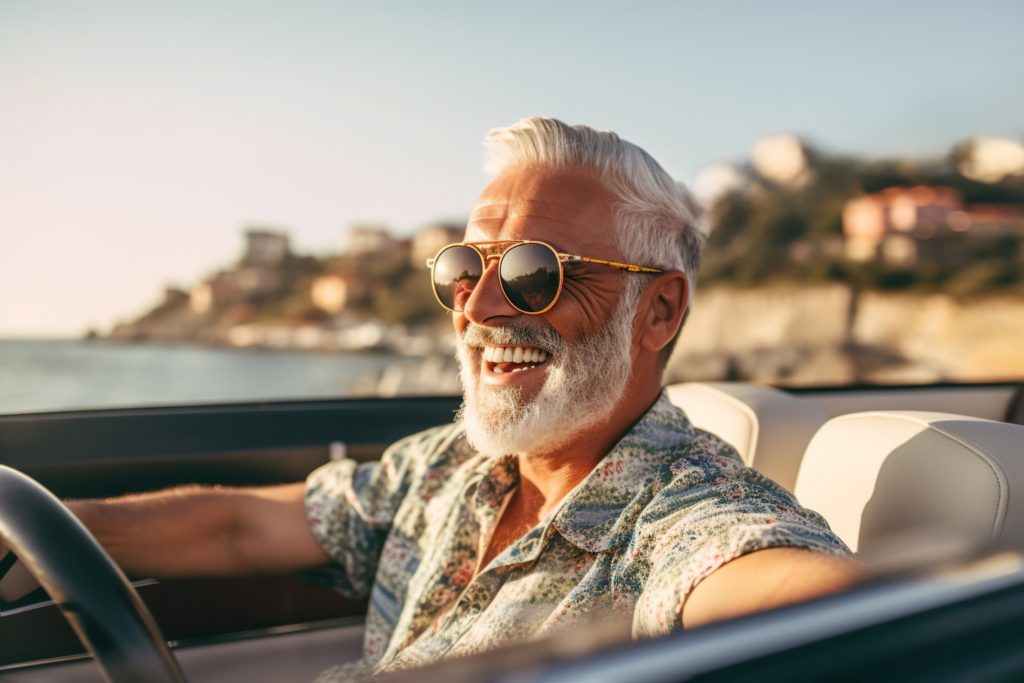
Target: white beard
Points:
x,y
584,383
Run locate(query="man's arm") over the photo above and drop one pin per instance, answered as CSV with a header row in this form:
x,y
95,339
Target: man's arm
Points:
x,y
766,579
192,531
205,531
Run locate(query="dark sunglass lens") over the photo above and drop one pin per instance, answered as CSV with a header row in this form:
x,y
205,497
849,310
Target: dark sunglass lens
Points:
x,y
529,275
457,269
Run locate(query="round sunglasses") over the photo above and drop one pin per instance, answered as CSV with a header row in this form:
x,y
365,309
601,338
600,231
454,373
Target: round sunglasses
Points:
x,y
531,273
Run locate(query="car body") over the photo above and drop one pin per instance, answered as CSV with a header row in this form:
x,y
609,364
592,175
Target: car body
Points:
x,y
285,628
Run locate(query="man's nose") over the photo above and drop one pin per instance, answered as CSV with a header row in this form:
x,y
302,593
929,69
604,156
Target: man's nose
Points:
x,y
487,301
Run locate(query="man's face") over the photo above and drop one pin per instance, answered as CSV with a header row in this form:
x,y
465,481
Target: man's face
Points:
x,y
574,361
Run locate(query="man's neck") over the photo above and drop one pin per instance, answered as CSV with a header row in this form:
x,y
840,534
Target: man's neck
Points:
x,y
545,478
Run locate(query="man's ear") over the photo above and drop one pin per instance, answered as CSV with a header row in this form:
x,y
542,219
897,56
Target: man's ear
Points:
x,y
664,302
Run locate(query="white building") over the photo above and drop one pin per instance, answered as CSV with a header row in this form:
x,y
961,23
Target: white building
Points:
x,y
265,247
782,159
989,160
428,241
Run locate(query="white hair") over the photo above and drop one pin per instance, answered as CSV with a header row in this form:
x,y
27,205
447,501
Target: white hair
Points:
x,y
657,221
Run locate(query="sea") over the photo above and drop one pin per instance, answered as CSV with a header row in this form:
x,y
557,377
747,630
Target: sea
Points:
x,y
61,374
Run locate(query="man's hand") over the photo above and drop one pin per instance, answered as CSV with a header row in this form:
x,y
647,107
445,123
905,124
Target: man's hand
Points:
x,y
15,580
764,580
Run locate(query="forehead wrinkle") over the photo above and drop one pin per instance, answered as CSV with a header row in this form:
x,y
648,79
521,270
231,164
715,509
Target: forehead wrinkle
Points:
x,y
513,220
508,221
525,207
515,226
549,219
514,203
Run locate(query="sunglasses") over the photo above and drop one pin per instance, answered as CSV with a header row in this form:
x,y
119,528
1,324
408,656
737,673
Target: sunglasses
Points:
x,y
531,273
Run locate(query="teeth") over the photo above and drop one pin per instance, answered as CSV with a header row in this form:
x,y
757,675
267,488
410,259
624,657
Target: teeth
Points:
x,y
514,354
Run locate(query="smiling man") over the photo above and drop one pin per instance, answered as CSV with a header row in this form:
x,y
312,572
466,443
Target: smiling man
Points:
x,y
569,489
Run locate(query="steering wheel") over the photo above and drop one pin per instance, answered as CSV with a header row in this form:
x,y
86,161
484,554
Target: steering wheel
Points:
x,y
92,592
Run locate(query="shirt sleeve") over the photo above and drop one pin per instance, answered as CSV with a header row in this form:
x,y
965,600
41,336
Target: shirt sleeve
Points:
x,y
350,509
697,529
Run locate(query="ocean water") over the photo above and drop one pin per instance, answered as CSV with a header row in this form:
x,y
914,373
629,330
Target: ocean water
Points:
x,y
37,375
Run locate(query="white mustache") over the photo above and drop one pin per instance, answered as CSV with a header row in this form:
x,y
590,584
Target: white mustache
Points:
x,y
545,338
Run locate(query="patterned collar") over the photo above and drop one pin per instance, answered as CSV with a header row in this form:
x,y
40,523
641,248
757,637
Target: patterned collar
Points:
x,y
594,515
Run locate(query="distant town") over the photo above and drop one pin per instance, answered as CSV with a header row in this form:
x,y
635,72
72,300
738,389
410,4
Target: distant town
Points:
x,y
789,216
953,224
373,295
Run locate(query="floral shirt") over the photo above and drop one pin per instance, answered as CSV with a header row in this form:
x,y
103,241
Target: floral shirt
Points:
x,y
664,508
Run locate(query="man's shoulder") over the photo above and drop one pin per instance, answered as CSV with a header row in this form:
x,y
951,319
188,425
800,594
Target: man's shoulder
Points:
x,y
443,446
709,457
666,435
697,466
706,487
433,439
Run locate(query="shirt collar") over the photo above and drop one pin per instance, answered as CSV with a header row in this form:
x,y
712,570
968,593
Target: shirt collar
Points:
x,y
593,516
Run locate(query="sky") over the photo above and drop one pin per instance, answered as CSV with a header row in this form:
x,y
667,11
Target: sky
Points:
x,y
138,139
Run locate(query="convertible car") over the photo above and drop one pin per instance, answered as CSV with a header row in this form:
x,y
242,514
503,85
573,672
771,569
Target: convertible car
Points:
x,y
926,483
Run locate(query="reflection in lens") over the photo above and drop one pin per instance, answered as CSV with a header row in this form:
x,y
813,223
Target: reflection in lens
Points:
x,y
529,276
456,272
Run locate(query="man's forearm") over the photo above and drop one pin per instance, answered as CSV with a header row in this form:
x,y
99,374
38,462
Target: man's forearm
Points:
x,y
204,531
767,579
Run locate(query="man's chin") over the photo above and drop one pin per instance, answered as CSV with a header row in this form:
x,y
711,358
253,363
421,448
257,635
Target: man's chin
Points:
x,y
501,422
539,410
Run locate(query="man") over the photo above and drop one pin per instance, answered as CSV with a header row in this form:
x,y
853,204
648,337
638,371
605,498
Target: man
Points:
x,y
569,489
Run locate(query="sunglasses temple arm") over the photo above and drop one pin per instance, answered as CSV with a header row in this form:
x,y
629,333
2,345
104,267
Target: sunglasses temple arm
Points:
x,y
570,258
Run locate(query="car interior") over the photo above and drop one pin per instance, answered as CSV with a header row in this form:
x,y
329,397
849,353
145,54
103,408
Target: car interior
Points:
x,y
902,474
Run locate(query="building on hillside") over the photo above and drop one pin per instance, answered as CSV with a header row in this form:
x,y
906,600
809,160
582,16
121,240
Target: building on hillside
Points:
x,y
783,159
901,225
265,248
428,241
215,291
174,296
334,292
368,240
990,160
258,281
245,283
201,298
329,293
994,219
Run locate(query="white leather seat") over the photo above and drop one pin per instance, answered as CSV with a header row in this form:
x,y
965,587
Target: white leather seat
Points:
x,y
769,428
885,478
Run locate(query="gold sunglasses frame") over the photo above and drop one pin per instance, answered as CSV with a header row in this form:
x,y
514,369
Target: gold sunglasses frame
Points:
x,y
560,257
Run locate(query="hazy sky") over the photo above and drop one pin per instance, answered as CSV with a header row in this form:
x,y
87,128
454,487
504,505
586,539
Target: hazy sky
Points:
x,y
138,138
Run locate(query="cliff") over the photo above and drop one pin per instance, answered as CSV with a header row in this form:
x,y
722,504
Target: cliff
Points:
x,y
829,334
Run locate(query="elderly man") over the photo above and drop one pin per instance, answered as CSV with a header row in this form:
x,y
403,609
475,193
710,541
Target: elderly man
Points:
x,y
569,489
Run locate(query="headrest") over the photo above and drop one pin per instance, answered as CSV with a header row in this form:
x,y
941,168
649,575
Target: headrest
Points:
x,y
769,428
884,475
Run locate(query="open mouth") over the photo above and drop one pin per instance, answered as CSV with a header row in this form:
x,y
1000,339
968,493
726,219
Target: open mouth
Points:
x,y
509,359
